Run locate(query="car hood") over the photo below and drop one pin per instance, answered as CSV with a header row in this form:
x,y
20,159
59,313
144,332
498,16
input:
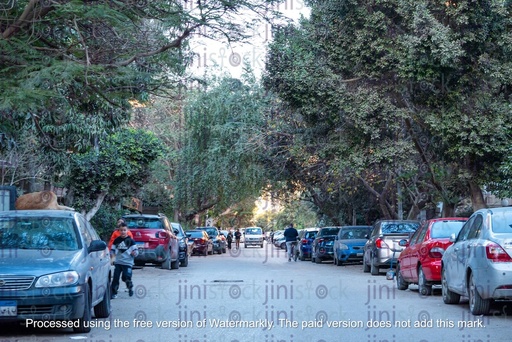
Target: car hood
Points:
x,y
37,262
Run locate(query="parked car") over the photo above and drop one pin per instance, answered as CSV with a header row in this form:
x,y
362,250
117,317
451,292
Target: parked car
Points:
x,y
306,237
322,245
349,244
382,248
201,242
420,261
54,267
155,239
280,242
219,243
253,237
184,247
478,264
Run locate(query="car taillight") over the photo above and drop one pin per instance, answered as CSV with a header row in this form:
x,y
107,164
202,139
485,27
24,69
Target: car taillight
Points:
x,y
436,252
380,243
304,241
495,253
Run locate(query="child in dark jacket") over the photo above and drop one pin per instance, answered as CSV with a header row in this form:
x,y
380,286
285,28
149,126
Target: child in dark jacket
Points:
x,y
125,250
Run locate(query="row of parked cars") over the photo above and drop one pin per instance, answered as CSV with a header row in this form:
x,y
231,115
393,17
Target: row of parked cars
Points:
x,y
466,257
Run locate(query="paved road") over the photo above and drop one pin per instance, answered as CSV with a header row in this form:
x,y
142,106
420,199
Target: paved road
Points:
x,y
257,295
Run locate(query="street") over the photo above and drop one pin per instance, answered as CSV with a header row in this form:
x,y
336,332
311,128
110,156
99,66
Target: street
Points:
x,y
257,295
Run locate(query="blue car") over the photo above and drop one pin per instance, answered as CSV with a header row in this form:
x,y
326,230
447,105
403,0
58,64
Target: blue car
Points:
x,y
349,244
306,237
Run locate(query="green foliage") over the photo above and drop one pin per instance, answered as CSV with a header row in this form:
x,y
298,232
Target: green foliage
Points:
x,y
219,162
120,167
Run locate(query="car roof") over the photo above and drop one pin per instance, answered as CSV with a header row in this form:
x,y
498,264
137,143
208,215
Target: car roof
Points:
x,y
49,212
142,215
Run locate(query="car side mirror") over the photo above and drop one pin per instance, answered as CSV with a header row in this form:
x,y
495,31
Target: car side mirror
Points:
x,y
453,237
176,231
97,246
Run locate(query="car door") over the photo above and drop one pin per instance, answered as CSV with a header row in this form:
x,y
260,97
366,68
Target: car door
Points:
x,y
456,259
97,262
409,255
173,240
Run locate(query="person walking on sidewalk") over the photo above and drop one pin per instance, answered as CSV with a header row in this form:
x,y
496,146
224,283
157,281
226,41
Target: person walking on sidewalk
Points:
x,y
290,235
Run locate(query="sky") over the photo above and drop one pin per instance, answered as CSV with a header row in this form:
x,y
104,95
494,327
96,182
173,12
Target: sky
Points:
x,y
217,57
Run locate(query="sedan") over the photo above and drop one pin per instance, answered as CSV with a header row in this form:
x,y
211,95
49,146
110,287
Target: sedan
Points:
x,y
218,240
322,246
349,244
478,264
420,261
54,268
202,244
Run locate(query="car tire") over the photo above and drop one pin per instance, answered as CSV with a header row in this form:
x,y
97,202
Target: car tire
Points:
x,y
166,265
245,245
318,260
84,325
401,284
338,262
224,250
477,305
205,253
301,257
424,288
184,262
175,264
366,267
103,308
374,269
449,297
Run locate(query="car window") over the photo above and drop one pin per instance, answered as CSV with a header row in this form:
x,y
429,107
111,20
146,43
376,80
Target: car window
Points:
x,y
311,235
352,233
329,231
86,233
476,228
463,234
502,222
444,229
195,234
146,222
416,235
398,227
253,231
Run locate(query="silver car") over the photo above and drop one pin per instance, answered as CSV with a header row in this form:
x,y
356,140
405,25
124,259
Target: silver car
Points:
x,y
479,265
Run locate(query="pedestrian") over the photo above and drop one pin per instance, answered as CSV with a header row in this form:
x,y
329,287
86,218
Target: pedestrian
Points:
x,y
125,250
238,235
229,239
290,234
116,233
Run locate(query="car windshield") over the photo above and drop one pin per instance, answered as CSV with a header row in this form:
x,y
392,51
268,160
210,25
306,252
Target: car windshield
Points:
x,y
445,229
253,231
38,233
398,228
502,222
143,223
354,233
195,234
329,231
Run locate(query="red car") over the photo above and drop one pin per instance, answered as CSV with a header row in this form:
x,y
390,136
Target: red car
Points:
x,y
420,261
202,244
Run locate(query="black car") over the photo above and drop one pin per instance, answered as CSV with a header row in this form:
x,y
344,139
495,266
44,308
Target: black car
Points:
x,y
54,268
219,244
185,247
322,246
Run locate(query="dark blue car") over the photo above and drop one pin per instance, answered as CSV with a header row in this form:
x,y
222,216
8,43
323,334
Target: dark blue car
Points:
x,y
349,244
306,237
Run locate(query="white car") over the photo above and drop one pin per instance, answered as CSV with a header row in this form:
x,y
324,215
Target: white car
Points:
x,y
253,236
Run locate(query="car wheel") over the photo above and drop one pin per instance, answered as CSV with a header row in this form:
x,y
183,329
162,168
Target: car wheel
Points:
x,y
318,260
374,269
184,262
301,256
449,297
245,245
477,305
84,325
205,253
166,265
175,264
338,262
401,284
366,267
424,288
103,309
224,250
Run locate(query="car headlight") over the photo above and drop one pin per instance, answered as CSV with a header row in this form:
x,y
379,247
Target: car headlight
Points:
x,y
58,279
343,246
182,244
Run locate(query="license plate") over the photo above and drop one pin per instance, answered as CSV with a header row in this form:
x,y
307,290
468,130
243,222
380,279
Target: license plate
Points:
x,y
359,254
8,308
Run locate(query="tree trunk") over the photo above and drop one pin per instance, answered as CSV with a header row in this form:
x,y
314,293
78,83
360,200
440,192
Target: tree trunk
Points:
x,y
477,198
99,200
448,209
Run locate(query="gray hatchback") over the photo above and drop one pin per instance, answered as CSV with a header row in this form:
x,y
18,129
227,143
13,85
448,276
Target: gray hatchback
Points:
x,y
54,270
478,264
